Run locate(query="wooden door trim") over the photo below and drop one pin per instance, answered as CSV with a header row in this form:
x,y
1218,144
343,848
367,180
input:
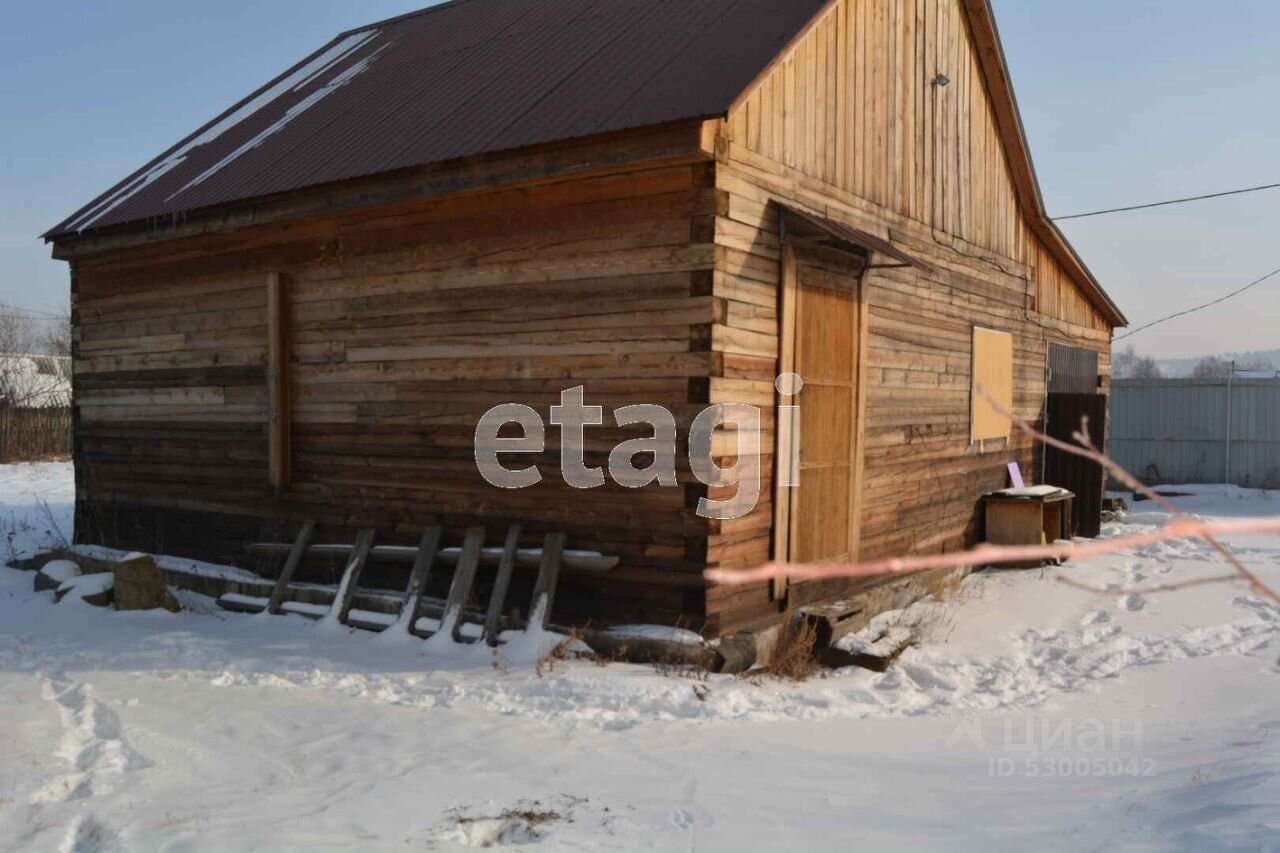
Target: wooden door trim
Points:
x,y
786,361
859,423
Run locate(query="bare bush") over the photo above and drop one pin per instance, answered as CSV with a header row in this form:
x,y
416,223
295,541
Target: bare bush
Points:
x,y
1212,367
1129,365
566,650
1123,361
1146,368
793,657
55,337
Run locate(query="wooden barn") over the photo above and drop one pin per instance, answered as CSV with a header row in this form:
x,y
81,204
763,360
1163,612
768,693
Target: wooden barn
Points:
x,y
302,310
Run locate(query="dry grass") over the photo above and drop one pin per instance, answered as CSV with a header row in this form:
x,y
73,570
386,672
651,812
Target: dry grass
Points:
x,y
562,651
675,668
523,823
793,658
952,587
935,620
565,651
533,817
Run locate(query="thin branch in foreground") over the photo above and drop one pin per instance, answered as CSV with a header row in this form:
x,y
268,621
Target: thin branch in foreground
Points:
x,y
996,555
1182,526
1088,450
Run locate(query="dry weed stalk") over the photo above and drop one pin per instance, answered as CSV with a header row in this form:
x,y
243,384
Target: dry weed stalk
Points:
x,y
566,650
792,657
1182,526
562,651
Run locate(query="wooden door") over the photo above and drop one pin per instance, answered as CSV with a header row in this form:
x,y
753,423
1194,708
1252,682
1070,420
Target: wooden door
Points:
x,y
821,323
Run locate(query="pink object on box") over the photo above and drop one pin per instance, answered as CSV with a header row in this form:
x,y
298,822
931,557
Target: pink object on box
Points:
x,y
1015,476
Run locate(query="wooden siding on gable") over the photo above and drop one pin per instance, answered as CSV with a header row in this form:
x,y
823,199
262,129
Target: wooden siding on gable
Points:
x,y
854,106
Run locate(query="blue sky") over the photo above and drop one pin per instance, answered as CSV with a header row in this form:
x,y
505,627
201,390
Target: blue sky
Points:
x,y
1125,101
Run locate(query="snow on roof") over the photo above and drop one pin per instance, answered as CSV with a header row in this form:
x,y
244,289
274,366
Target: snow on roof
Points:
x,y
35,381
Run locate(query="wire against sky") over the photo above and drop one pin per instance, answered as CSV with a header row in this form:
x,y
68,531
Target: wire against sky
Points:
x,y
31,314
1167,203
1220,299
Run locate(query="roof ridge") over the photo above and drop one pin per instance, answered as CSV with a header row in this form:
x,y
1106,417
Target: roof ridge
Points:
x,y
406,16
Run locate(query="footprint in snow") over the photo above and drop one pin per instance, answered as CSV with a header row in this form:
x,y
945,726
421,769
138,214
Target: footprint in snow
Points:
x,y
89,835
1133,569
1266,609
1096,634
1097,617
92,745
1133,603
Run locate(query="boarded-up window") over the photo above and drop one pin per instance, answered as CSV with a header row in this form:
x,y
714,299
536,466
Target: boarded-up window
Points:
x,y
992,374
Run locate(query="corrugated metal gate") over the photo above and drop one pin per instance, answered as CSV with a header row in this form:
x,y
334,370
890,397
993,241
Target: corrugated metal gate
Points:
x,y
1174,431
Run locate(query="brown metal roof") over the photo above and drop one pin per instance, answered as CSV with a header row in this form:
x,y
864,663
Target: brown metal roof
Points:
x,y
797,222
463,78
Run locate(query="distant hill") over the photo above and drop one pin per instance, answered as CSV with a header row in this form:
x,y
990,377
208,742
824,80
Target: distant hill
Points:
x,y
1179,367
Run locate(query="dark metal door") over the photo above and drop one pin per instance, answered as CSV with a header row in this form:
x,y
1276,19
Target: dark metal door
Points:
x,y
1068,471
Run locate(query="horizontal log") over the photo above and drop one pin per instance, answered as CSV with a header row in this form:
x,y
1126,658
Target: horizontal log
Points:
x,y
578,561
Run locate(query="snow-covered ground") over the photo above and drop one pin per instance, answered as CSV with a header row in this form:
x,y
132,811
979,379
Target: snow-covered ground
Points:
x,y
1033,716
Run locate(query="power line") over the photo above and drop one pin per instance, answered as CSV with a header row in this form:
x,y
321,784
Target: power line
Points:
x,y
7,307
30,313
32,319
1166,203
1220,299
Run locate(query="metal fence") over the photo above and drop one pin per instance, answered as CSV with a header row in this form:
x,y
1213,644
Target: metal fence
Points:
x,y
1173,431
27,434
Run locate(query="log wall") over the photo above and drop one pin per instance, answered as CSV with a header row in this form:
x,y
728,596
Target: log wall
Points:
x,y
406,322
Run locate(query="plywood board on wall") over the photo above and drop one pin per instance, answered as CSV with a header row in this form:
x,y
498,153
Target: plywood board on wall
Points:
x,y
992,374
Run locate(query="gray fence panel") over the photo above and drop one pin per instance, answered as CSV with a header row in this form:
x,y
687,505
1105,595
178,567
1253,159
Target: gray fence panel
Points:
x,y
1174,431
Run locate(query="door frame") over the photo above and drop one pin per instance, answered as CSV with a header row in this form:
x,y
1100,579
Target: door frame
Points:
x,y
786,450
